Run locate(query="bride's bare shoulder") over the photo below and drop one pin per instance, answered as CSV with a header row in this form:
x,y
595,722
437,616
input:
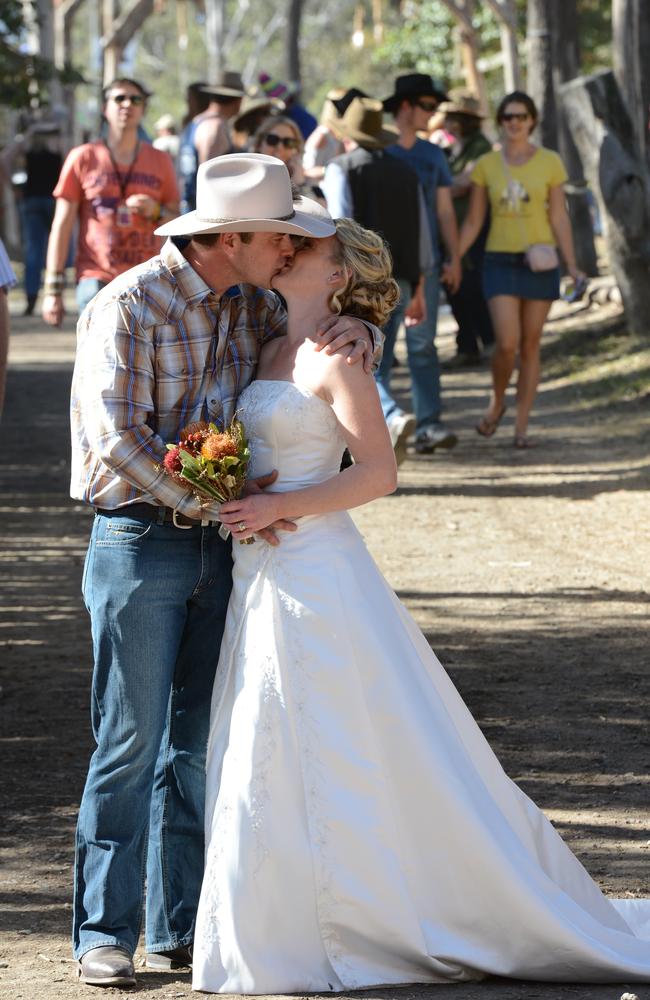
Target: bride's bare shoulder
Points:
x,y
326,374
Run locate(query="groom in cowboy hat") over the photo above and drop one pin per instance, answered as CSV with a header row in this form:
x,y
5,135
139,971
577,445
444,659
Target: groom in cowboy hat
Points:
x,y
171,341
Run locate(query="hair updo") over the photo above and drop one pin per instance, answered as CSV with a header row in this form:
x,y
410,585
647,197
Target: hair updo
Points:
x,y
370,293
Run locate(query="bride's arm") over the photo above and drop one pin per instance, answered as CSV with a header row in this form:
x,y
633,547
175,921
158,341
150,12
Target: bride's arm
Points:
x,y
355,401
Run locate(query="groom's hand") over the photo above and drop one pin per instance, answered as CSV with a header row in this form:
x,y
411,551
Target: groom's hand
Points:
x,y
258,485
340,332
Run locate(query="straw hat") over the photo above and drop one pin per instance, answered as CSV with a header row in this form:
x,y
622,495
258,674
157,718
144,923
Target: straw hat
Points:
x,y
248,193
165,121
363,122
461,102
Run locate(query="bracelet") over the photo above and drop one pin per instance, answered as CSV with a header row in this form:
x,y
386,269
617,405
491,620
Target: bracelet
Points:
x,y
54,282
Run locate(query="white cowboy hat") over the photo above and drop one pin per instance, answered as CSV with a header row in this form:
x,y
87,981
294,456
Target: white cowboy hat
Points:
x,y
248,193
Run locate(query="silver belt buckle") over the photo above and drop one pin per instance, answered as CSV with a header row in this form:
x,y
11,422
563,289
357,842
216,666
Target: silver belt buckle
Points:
x,y
182,527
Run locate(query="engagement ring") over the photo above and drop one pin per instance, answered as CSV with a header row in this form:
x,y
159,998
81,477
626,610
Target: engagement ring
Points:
x,y
241,526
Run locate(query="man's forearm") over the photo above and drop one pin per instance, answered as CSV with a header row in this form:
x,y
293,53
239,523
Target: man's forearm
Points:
x,y
449,233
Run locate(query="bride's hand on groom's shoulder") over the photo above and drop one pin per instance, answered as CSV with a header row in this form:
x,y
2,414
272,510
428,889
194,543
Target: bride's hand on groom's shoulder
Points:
x,y
256,512
350,335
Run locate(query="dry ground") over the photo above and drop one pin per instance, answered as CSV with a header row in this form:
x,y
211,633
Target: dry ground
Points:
x,y
528,571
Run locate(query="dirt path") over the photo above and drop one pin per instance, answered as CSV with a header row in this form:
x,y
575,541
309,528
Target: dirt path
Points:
x,y
528,571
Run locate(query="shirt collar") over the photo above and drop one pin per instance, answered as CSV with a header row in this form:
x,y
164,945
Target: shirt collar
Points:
x,y
191,285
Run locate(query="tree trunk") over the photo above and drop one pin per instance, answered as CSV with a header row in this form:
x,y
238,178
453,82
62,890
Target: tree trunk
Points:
x,y
566,66
540,69
631,44
64,12
462,11
294,15
619,176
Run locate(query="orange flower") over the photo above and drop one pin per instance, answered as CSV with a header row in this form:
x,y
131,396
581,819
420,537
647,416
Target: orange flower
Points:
x,y
216,446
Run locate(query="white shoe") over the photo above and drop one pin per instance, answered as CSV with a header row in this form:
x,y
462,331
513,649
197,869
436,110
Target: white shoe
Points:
x,y
400,428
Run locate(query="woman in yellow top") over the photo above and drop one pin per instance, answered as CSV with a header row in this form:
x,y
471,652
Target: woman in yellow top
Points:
x,y
523,186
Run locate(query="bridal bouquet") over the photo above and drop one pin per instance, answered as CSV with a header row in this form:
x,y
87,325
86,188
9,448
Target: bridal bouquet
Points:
x,y
212,463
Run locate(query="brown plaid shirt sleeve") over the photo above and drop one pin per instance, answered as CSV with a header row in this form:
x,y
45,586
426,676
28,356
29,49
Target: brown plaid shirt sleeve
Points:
x,y
157,349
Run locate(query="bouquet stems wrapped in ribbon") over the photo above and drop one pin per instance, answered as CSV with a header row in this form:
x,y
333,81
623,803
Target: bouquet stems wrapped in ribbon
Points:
x,y
212,463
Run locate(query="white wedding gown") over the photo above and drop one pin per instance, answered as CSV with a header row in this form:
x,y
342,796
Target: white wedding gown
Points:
x,y
360,830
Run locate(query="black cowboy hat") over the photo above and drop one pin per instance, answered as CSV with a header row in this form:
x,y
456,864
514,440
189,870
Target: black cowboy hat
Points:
x,y
413,85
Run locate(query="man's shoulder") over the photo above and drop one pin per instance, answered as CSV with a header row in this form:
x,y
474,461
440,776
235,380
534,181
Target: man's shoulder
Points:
x,y
87,154
146,292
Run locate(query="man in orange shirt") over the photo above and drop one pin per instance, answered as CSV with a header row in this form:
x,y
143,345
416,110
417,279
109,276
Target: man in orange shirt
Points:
x,y
119,187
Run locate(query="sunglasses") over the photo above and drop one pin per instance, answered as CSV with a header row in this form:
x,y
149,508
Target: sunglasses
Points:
x,y
427,105
515,116
274,140
135,99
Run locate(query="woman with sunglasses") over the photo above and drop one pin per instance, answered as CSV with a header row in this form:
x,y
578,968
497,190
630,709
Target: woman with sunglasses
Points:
x,y
280,137
522,184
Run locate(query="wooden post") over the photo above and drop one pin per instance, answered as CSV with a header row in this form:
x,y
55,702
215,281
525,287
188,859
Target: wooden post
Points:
x,y
619,176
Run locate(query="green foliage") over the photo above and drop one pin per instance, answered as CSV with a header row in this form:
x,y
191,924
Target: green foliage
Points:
x,y
595,27
425,39
23,77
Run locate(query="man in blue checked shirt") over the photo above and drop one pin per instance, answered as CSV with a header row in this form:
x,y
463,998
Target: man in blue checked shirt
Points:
x,y
171,341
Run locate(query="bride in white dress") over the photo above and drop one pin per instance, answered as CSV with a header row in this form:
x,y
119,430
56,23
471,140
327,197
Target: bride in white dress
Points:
x,y
360,830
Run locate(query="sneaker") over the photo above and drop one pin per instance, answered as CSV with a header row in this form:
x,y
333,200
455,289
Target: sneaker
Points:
x,y
166,961
432,437
400,428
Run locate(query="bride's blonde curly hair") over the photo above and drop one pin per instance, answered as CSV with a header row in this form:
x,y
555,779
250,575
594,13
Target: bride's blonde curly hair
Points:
x,y
371,293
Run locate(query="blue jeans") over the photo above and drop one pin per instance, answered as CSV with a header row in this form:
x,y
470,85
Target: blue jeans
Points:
x,y
87,289
36,214
422,357
157,597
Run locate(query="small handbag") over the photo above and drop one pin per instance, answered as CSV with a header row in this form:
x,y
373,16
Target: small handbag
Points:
x,y
541,257
538,256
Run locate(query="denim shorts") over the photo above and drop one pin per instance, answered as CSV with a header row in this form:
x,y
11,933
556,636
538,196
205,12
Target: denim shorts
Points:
x,y
508,274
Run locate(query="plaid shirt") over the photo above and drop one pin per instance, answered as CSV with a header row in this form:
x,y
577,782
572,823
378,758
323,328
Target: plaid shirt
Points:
x,y
156,349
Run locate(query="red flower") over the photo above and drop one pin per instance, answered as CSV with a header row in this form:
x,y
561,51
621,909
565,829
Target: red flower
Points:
x,y
172,460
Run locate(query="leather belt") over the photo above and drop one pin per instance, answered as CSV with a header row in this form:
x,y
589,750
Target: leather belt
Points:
x,y
159,515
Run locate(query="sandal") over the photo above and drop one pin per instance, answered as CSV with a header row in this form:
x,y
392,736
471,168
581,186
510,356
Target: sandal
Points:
x,y
486,427
522,441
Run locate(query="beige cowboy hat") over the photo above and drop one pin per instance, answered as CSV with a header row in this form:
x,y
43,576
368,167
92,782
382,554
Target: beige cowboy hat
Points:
x,y
461,102
363,122
253,104
248,193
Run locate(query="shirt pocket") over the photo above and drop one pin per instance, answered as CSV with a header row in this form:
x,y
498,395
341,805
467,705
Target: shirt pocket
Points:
x,y
176,358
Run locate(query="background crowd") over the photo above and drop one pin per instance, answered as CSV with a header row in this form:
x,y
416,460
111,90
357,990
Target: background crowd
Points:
x,y
459,213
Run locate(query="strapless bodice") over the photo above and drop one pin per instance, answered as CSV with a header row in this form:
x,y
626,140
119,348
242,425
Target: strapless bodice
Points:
x,y
292,430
